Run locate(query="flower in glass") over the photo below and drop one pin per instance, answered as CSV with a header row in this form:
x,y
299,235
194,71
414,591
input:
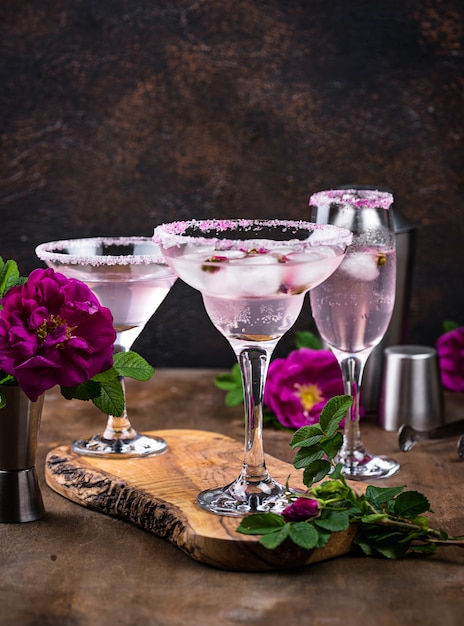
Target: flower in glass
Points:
x,y
450,348
53,331
301,509
298,386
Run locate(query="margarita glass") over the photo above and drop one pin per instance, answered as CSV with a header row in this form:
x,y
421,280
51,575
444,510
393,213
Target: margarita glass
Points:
x,y
253,276
353,307
130,277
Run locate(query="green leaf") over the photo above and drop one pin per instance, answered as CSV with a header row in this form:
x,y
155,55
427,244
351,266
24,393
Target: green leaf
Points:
x,y
335,521
337,472
225,382
232,383
304,534
427,548
274,539
109,374
323,536
85,391
234,397
333,413
385,540
381,495
394,548
449,325
132,365
307,456
260,523
307,339
365,545
332,446
306,436
107,395
420,520
9,276
316,472
2,400
411,503
6,379
229,380
111,398
331,488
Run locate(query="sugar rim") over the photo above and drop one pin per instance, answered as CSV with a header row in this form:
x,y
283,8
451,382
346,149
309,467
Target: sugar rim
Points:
x,y
172,234
358,198
50,252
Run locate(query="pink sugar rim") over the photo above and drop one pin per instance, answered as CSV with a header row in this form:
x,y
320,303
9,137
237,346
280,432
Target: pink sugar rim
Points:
x,y
50,252
172,233
358,198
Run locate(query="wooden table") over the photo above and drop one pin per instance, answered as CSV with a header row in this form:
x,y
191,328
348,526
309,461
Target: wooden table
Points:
x,y
78,567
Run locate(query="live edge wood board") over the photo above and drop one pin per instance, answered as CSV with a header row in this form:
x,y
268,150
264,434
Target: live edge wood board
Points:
x,y
158,494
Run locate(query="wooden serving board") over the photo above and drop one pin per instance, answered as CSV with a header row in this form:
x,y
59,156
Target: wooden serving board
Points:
x,y
158,494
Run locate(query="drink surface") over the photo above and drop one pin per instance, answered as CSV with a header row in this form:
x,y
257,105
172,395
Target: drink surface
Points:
x,y
278,273
253,274
127,274
132,293
254,295
353,307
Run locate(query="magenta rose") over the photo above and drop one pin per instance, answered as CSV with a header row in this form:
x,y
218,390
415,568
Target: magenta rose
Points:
x,y
298,387
54,331
300,510
450,347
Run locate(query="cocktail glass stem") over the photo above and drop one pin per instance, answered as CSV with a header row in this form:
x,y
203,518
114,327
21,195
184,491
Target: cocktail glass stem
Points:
x,y
254,490
119,427
254,363
119,437
352,451
357,462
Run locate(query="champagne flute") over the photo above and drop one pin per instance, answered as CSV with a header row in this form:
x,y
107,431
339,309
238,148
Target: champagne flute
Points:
x,y
253,276
130,277
353,307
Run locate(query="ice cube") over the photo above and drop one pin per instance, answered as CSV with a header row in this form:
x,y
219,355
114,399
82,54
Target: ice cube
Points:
x,y
253,276
307,269
361,266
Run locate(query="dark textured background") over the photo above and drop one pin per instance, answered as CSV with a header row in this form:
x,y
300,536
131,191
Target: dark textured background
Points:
x,y
119,115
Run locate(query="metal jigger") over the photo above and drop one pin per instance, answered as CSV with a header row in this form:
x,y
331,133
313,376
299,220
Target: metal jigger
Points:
x,y
20,496
411,392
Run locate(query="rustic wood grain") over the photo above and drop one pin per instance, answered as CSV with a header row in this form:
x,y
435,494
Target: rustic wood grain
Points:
x,y
158,494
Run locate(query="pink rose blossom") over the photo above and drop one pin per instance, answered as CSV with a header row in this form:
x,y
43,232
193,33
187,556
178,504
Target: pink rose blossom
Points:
x,y
450,347
298,387
54,331
300,510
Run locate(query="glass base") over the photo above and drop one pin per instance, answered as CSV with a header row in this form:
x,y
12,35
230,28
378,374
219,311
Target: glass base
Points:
x,y
367,466
237,499
137,446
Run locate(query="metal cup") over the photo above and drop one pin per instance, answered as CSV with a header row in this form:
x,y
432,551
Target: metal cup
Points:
x,y
410,389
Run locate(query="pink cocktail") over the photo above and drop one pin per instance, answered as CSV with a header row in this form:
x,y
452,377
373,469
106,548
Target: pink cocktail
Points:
x,y
130,277
353,307
253,276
